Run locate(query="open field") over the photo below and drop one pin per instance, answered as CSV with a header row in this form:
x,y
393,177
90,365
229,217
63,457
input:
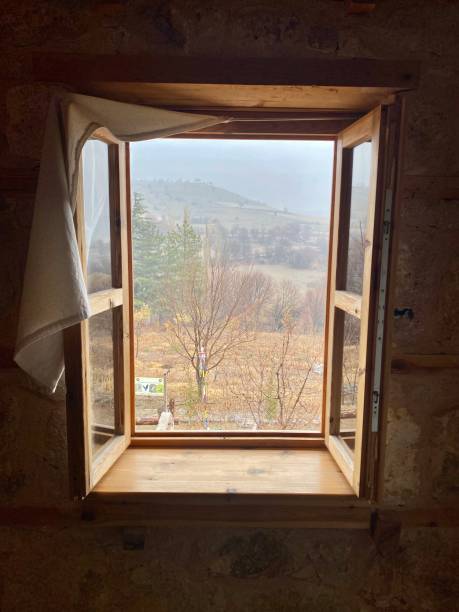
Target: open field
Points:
x,y
240,392
302,279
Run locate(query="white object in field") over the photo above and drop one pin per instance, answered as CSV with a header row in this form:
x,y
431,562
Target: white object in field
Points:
x,y
318,368
148,386
166,422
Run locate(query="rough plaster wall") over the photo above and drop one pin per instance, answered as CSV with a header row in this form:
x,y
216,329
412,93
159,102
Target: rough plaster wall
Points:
x,y
85,568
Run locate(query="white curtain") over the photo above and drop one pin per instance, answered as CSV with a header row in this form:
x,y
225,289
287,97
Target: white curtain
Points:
x,y
54,292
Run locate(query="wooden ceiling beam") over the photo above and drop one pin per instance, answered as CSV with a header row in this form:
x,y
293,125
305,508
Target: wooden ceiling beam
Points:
x,y
359,7
83,68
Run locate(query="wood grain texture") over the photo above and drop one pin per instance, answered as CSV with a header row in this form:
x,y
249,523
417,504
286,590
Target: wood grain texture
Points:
x,y
349,302
360,73
356,99
367,128
100,301
224,441
232,510
238,471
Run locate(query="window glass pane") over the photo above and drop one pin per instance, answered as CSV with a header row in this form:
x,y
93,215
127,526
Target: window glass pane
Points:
x,y
97,215
350,379
101,383
360,192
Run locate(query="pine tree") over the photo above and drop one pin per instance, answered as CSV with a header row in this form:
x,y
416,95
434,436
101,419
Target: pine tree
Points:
x,y
148,258
182,250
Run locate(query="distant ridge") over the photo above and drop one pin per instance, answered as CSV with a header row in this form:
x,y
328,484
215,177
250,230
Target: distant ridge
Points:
x,y
166,201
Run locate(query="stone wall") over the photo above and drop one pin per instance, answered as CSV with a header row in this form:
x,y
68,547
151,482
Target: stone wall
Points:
x,y
72,566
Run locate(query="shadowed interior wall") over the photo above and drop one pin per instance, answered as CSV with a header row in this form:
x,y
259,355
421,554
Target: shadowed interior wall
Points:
x,y
67,564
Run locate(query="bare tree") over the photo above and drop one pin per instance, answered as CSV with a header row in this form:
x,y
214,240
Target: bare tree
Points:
x,y
314,309
356,258
285,305
276,383
214,308
351,345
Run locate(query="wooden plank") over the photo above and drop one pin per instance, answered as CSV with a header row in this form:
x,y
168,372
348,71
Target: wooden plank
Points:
x,y
336,372
106,457
365,129
266,123
349,302
360,131
117,281
218,441
316,71
342,454
297,511
128,285
337,276
266,114
278,128
100,301
76,360
118,371
127,345
118,300
284,434
397,126
410,362
226,511
359,7
77,418
325,415
198,135
369,296
184,95
115,214
281,472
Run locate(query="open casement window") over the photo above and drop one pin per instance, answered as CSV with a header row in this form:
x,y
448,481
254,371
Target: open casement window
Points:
x,y
99,352
97,361
356,292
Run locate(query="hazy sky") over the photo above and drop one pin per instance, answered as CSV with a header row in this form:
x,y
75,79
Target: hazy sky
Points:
x,y
295,174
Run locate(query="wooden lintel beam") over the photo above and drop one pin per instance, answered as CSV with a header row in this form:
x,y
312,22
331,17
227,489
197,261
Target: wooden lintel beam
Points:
x,y
359,7
83,68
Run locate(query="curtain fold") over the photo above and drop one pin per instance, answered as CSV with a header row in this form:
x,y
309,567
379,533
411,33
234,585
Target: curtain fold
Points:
x,y
54,293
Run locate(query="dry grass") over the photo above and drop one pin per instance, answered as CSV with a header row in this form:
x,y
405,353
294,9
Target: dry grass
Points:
x,y
227,407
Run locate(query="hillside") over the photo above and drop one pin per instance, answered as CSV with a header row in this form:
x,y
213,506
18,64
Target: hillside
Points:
x,y
166,201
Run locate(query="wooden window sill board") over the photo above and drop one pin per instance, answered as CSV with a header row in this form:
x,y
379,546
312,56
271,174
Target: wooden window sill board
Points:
x,y
286,472
245,487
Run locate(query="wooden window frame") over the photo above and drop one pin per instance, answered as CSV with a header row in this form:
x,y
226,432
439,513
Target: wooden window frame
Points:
x,y
381,127
335,127
86,470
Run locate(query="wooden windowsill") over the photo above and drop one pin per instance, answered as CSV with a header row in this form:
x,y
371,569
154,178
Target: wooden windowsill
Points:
x,y
263,487
225,471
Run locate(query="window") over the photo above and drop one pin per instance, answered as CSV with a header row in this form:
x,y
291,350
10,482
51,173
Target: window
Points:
x,y
123,389
97,360
358,268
